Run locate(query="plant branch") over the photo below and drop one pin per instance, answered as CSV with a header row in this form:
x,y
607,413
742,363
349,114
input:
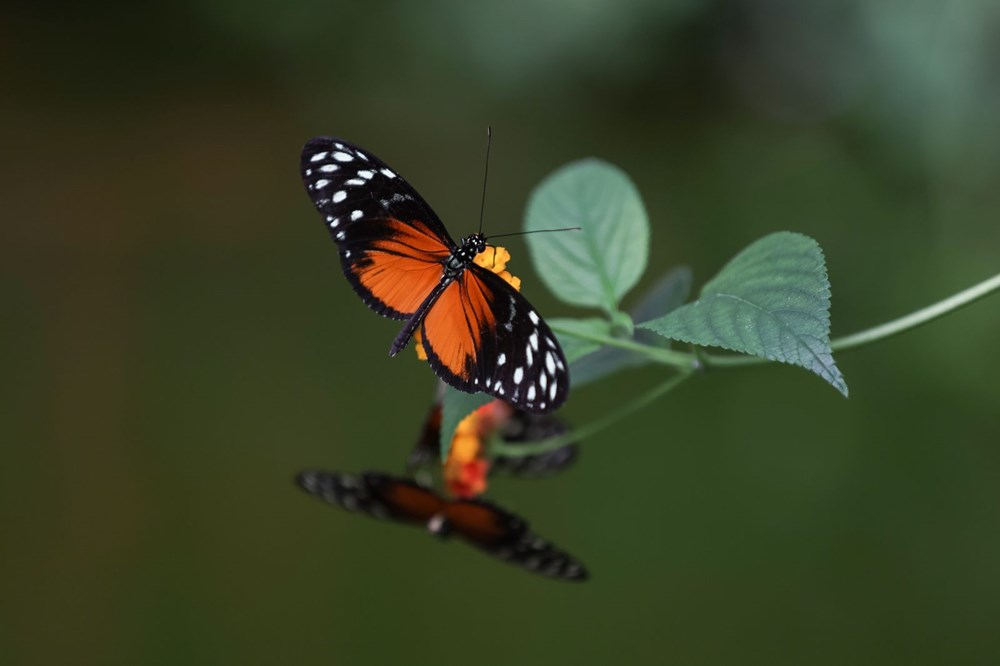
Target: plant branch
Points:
x,y
918,318
592,428
685,361
882,331
681,360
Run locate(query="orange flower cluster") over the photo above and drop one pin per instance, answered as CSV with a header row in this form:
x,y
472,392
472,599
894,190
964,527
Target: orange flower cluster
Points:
x,y
493,258
466,469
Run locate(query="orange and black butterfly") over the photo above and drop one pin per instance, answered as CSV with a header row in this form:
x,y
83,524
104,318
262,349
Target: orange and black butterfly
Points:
x,y
480,334
480,524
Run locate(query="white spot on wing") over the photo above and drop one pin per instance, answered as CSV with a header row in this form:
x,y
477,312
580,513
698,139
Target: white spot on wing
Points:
x,y
501,359
388,173
552,391
543,380
530,358
329,168
533,340
339,196
355,182
321,183
518,375
317,157
366,174
342,157
531,393
533,316
333,221
550,363
356,215
340,237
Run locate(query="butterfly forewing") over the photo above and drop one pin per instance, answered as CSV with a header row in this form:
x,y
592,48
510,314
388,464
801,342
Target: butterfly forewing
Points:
x,y
391,242
372,493
482,335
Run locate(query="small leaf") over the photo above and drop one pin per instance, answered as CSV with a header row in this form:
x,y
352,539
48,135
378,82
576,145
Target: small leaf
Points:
x,y
573,346
669,293
597,265
456,405
771,300
665,296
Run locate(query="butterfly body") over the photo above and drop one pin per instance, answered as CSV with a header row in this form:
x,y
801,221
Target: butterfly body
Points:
x,y
479,333
480,524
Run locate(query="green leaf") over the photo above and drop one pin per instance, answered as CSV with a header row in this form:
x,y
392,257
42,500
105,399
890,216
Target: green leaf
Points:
x,y
572,334
456,405
666,295
596,266
771,300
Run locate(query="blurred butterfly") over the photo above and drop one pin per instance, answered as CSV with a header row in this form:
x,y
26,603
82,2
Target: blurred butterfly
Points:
x,y
517,427
479,333
478,523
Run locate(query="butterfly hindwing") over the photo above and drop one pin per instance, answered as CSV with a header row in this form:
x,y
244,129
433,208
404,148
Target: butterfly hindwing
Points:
x,y
482,335
390,240
506,536
523,428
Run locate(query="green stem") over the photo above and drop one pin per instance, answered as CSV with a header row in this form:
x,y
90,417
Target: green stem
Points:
x,y
918,318
592,428
677,359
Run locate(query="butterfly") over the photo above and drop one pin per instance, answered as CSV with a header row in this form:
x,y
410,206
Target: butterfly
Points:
x,y
518,426
478,523
479,333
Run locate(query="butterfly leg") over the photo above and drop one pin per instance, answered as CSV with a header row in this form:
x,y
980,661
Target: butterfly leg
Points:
x,y
413,322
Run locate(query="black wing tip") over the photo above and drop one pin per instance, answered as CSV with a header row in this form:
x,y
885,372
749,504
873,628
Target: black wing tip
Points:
x,y
307,477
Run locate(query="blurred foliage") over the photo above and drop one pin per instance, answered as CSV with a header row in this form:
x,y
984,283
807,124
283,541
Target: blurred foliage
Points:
x,y
178,341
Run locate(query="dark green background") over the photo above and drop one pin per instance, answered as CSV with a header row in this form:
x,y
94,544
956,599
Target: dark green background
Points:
x,y
177,339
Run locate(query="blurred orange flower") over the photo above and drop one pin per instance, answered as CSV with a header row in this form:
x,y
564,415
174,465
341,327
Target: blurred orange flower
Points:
x,y
466,469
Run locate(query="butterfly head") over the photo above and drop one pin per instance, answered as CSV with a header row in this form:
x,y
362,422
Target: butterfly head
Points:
x,y
474,244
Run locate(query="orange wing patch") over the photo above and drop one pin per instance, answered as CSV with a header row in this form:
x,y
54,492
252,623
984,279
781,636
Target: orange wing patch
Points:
x,y
402,268
480,523
411,501
453,328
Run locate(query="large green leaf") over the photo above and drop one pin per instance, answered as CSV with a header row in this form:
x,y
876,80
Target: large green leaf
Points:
x,y
666,295
455,406
771,300
597,265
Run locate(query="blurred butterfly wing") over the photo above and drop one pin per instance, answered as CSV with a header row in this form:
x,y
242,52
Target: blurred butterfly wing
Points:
x,y
377,495
405,499
523,428
482,335
391,242
427,450
506,536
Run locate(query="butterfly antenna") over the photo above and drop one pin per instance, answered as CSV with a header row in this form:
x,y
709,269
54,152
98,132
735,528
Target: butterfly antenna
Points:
x,y
482,204
535,231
